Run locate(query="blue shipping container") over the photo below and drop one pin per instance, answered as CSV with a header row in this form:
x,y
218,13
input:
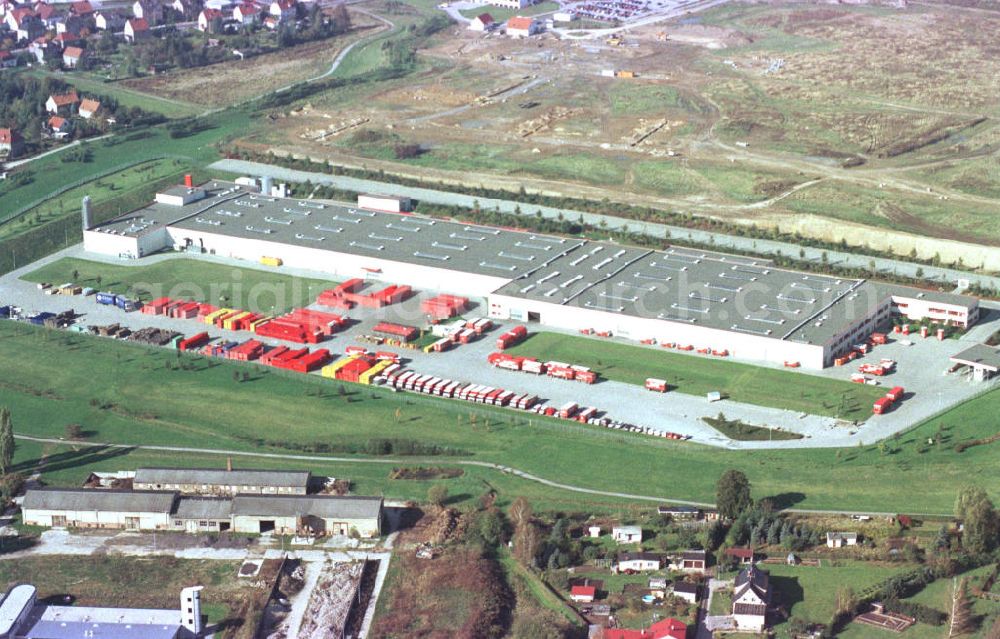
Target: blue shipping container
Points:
x,y
5,311
106,298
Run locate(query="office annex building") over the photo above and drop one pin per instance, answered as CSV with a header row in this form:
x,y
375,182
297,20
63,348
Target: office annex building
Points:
x,y
679,295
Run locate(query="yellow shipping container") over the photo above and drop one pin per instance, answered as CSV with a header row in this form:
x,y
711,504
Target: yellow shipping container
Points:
x,y
271,261
256,323
330,370
370,374
211,317
228,323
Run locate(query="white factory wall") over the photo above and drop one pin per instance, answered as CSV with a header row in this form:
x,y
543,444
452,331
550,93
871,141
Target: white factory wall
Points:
x,y
96,519
739,345
344,265
125,246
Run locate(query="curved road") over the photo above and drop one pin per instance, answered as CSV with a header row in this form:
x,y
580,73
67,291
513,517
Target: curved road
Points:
x,y
459,462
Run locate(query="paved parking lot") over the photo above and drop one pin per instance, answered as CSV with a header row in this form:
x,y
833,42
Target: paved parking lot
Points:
x,y
921,370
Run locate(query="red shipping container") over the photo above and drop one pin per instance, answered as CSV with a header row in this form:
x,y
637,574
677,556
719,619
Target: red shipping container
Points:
x,y
351,371
193,342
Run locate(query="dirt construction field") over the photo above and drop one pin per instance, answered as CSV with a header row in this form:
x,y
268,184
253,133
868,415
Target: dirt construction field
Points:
x,y
232,82
830,120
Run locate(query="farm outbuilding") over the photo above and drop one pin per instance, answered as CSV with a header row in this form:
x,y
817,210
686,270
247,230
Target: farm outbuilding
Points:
x,y
720,304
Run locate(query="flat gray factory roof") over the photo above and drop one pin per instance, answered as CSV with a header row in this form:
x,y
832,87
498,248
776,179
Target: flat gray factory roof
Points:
x,y
78,499
73,622
312,505
220,477
979,355
687,285
237,211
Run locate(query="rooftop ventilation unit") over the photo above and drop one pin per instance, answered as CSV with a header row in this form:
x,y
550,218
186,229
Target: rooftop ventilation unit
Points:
x,y
810,288
550,240
370,247
782,296
678,307
720,287
766,320
450,247
747,269
552,292
625,284
296,211
201,220
311,238
229,213
420,220
571,281
499,267
754,331
432,256
743,278
676,318
352,220
397,227
765,307
252,205
385,238
274,220
527,289
476,229
603,263
254,229
329,229
515,256
549,276
653,278
612,309
580,259
707,298
633,299
529,245
311,205
459,236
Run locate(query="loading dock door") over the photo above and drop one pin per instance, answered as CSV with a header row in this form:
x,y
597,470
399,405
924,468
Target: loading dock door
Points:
x,y
266,526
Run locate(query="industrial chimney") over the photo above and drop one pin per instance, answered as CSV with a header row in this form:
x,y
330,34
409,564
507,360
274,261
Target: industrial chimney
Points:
x,y
85,212
191,609
265,185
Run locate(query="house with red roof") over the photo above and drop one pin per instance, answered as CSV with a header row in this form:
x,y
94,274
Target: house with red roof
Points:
x,y
664,629
283,10
62,103
583,594
47,14
59,126
522,27
89,108
136,29
72,57
11,144
482,22
82,8
743,556
206,19
247,14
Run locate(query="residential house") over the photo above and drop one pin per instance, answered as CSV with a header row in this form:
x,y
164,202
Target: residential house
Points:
x,y
751,596
743,556
658,587
690,561
583,594
109,20
89,108
25,24
627,534
511,4
482,22
59,126
841,539
136,29
209,20
72,57
686,591
7,60
522,27
43,49
82,9
62,103
186,9
637,562
47,14
594,532
663,629
149,10
247,14
283,10
11,144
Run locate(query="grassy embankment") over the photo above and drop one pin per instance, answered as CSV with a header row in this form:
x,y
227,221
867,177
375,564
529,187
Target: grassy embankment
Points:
x,y
131,394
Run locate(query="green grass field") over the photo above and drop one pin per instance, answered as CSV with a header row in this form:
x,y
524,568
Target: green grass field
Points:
x,y
89,84
153,402
810,592
502,15
257,289
697,375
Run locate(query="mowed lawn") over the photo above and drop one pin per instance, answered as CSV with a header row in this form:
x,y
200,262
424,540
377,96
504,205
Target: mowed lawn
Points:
x,y
700,374
64,378
810,592
258,290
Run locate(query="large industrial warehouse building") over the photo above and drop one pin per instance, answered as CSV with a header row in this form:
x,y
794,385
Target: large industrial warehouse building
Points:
x,y
685,296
